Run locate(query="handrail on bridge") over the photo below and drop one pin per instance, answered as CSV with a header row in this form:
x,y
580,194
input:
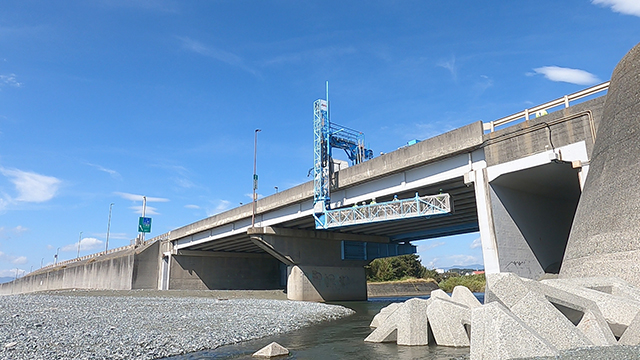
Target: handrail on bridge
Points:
x,y
110,251
491,126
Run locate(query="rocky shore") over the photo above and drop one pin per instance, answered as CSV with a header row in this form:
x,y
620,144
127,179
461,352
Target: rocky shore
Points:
x,y
145,324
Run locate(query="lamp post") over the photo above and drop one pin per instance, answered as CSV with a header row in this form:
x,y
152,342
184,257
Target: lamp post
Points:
x,y
106,246
79,239
55,257
41,262
255,176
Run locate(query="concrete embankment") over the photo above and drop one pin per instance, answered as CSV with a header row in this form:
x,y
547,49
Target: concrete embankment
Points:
x,y
418,287
135,268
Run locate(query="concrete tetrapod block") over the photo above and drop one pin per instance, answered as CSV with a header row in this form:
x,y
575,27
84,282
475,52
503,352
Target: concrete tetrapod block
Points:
x,y
497,334
462,295
618,311
536,311
407,325
383,314
439,293
272,350
447,320
583,312
631,335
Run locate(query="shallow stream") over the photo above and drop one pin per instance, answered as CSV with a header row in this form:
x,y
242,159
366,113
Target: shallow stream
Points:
x,y
340,339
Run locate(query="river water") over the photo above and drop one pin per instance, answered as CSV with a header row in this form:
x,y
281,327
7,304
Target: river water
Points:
x,y
340,339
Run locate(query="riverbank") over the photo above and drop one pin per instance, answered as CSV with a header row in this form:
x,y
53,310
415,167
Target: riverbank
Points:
x,y
145,324
413,287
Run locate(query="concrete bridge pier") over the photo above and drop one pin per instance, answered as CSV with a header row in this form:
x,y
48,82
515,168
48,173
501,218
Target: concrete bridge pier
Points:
x,y
317,270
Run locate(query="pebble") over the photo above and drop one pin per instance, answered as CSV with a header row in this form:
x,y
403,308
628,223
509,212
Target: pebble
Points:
x,y
138,327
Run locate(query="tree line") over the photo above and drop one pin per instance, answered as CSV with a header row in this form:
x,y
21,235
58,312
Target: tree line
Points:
x,y
406,267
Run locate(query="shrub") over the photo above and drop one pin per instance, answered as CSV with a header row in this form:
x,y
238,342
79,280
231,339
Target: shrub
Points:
x,y
475,283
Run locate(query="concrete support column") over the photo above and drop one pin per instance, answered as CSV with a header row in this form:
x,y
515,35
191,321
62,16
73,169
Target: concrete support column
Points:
x,y
485,220
316,270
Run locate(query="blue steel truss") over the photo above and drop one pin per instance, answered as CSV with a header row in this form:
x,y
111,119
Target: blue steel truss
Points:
x,y
419,206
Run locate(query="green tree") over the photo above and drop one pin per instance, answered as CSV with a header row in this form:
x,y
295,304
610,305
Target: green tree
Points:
x,y
395,268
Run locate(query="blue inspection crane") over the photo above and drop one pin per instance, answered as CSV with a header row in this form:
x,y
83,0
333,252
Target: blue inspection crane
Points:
x,y
327,136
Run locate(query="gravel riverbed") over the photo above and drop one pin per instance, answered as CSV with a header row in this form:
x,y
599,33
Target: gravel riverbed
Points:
x,y
144,325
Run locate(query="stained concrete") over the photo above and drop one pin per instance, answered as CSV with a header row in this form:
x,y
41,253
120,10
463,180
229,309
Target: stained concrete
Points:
x,y
604,237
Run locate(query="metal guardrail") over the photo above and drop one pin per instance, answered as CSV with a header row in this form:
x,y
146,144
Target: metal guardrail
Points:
x,y
397,209
110,251
526,113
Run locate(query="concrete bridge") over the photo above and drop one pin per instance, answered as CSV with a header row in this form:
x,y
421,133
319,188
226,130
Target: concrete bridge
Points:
x,y
518,185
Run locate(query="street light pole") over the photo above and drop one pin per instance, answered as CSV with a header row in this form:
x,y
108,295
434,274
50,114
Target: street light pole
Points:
x,y
106,246
55,258
144,212
255,176
79,239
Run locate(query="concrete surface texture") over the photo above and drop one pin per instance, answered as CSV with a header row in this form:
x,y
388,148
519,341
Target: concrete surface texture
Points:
x,y
411,323
556,314
497,334
272,350
604,235
127,270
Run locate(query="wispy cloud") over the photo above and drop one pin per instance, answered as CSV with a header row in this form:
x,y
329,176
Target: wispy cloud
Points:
x,y
9,80
477,242
463,260
86,244
7,233
319,54
17,260
191,206
32,187
430,246
215,53
451,66
221,206
114,174
149,210
12,272
136,197
568,75
628,7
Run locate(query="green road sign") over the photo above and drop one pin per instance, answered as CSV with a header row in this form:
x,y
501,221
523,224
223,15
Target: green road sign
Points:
x,y
144,225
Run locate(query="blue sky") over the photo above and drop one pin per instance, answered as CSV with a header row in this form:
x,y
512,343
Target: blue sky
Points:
x,y
108,100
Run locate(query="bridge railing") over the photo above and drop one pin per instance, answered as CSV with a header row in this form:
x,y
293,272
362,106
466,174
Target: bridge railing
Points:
x,y
565,100
390,210
110,251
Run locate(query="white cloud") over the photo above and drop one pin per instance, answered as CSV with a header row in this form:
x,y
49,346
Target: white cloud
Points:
x,y
462,260
10,80
20,260
32,187
191,206
451,66
149,210
12,272
568,75
477,242
85,244
114,174
220,207
214,53
429,246
7,233
135,197
628,7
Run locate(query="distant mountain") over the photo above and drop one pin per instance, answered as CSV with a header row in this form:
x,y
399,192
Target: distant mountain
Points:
x,y
472,266
6,279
